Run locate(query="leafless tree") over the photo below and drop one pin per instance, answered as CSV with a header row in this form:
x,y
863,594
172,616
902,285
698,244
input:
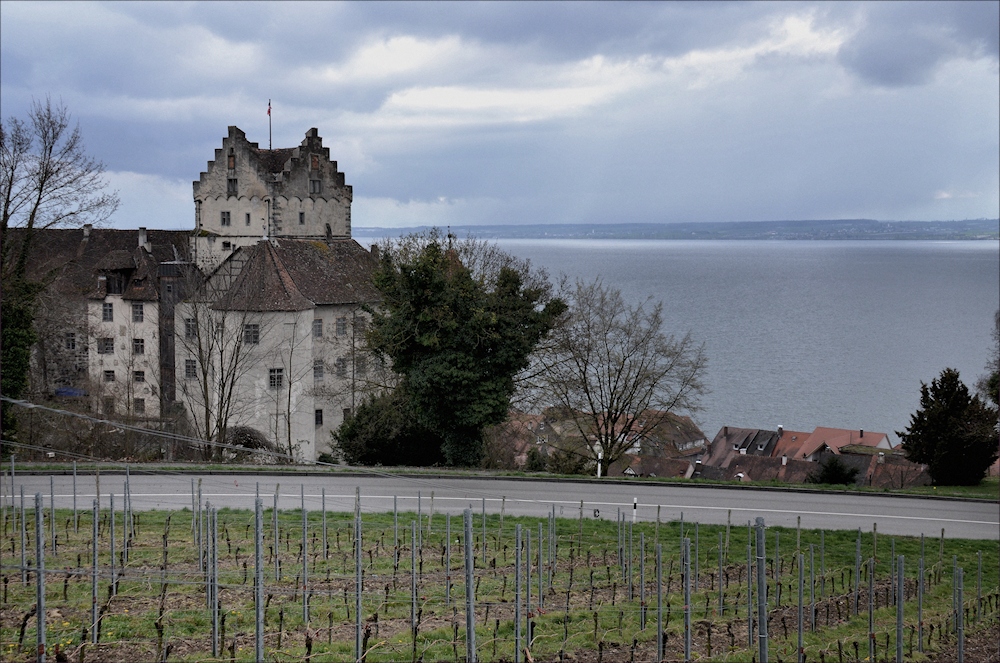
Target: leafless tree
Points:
x,y
215,353
614,371
47,179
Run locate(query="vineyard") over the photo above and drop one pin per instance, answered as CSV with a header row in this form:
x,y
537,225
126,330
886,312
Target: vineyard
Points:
x,y
316,585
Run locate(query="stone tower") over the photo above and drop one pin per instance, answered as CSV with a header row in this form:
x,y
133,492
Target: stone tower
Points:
x,y
248,193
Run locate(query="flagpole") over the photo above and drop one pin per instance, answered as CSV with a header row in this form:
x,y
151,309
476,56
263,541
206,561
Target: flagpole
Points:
x,y
269,124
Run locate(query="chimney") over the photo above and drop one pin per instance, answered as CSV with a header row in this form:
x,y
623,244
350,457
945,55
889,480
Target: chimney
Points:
x,y
784,459
781,430
725,431
374,251
87,227
881,458
862,432
143,241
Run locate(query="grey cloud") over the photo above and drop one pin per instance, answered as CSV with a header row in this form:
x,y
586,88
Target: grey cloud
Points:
x,y
903,44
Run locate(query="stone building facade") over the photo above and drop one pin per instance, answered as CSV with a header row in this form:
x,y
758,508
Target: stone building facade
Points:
x,y
247,193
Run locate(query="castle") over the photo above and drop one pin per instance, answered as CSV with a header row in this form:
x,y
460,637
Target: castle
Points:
x,y
249,328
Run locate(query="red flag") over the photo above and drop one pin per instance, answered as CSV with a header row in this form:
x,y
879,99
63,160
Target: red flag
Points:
x,y
269,109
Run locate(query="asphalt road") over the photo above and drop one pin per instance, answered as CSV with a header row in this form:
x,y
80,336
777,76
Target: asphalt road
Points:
x,y
902,516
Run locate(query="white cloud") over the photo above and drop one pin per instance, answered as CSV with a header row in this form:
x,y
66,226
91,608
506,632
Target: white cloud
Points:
x,y
382,59
442,211
152,201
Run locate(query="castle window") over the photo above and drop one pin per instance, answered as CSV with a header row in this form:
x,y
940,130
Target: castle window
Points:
x,y
109,376
302,218
115,284
251,334
227,246
105,346
315,186
224,218
232,161
341,326
248,218
314,162
70,341
138,376
319,417
341,367
318,370
276,378
108,312
190,369
318,328
137,313
138,346
139,405
231,186
190,328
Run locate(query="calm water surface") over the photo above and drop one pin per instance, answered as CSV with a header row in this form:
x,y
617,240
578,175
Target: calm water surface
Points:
x,y
804,333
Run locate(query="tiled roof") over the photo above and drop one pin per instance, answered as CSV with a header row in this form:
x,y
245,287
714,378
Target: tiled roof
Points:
x,y
294,275
274,161
71,259
835,438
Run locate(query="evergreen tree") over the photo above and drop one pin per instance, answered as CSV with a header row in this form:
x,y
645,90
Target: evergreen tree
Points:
x,y
457,338
954,433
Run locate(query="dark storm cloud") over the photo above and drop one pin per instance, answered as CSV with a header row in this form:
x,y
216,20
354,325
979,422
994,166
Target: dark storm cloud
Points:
x,y
904,43
535,112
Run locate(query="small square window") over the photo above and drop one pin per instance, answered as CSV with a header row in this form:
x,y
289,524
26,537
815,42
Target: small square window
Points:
x,y
137,313
139,405
341,367
319,417
315,186
71,341
227,246
347,413
251,334
105,346
318,328
138,376
190,328
341,326
168,288
190,369
276,378
138,346
231,186
109,376
302,218
108,312
318,370
224,218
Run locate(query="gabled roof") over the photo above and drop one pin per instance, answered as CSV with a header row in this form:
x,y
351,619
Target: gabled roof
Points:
x,y
835,438
71,256
295,275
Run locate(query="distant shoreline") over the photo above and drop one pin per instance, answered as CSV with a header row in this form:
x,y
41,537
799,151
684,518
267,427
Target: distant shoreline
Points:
x,y
852,229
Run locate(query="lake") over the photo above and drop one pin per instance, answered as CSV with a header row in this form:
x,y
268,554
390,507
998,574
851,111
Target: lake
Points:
x,y
805,333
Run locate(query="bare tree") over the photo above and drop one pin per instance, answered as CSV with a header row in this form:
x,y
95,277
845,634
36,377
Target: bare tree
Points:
x,y
216,351
614,371
46,180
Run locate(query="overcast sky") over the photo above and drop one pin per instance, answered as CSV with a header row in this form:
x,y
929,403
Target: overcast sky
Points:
x,y
459,113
